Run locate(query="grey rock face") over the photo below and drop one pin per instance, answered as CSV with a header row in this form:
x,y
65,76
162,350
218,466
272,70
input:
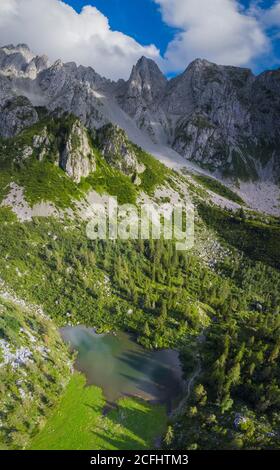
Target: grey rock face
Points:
x,y
59,86
223,126
17,65
210,109
76,90
16,113
223,118
77,158
66,145
42,143
20,62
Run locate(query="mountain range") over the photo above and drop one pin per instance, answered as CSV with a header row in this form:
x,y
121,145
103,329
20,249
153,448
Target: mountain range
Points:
x,y
224,119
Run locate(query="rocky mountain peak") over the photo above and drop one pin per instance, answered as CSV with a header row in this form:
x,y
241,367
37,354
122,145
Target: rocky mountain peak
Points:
x,y
146,67
20,48
208,72
19,62
198,64
145,86
146,80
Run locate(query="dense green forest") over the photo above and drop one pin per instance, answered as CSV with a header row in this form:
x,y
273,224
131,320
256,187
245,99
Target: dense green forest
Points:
x,y
168,299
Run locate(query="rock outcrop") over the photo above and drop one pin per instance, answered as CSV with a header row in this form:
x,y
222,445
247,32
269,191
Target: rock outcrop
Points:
x,y
219,120
140,97
77,158
118,151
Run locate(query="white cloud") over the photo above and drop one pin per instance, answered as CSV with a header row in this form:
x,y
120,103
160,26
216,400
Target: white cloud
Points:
x,y
54,28
218,30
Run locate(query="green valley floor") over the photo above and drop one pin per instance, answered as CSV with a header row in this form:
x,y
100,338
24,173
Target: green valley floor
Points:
x,y
79,422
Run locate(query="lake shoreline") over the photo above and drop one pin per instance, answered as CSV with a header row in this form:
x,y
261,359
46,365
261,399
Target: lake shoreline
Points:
x,y
130,370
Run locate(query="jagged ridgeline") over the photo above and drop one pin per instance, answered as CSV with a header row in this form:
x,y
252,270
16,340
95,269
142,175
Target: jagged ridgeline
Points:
x,y
224,118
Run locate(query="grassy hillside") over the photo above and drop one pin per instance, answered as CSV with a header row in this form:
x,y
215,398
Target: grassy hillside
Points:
x,y
258,239
218,188
52,262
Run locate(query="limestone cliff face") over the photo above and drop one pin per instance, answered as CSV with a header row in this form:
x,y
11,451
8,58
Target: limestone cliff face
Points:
x,y
77,158
210,110
20,62
219,122
41,143
65,142
16,65
118,151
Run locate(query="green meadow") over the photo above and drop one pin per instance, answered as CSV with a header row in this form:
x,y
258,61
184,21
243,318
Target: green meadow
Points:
x,y
79,423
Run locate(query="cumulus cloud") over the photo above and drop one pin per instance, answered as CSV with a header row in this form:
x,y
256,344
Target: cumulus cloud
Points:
x,y
218,30
54,28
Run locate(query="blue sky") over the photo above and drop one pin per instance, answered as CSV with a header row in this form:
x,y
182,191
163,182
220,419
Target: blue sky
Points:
x,y
111,35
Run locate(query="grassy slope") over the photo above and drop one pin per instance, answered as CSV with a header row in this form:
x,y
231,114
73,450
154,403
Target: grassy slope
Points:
x,y
218,188
78,424
155,173
64,271
42,181
259,240
107,180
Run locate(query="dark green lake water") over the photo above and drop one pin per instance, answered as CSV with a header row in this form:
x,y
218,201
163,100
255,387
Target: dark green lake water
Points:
x,y
121,367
